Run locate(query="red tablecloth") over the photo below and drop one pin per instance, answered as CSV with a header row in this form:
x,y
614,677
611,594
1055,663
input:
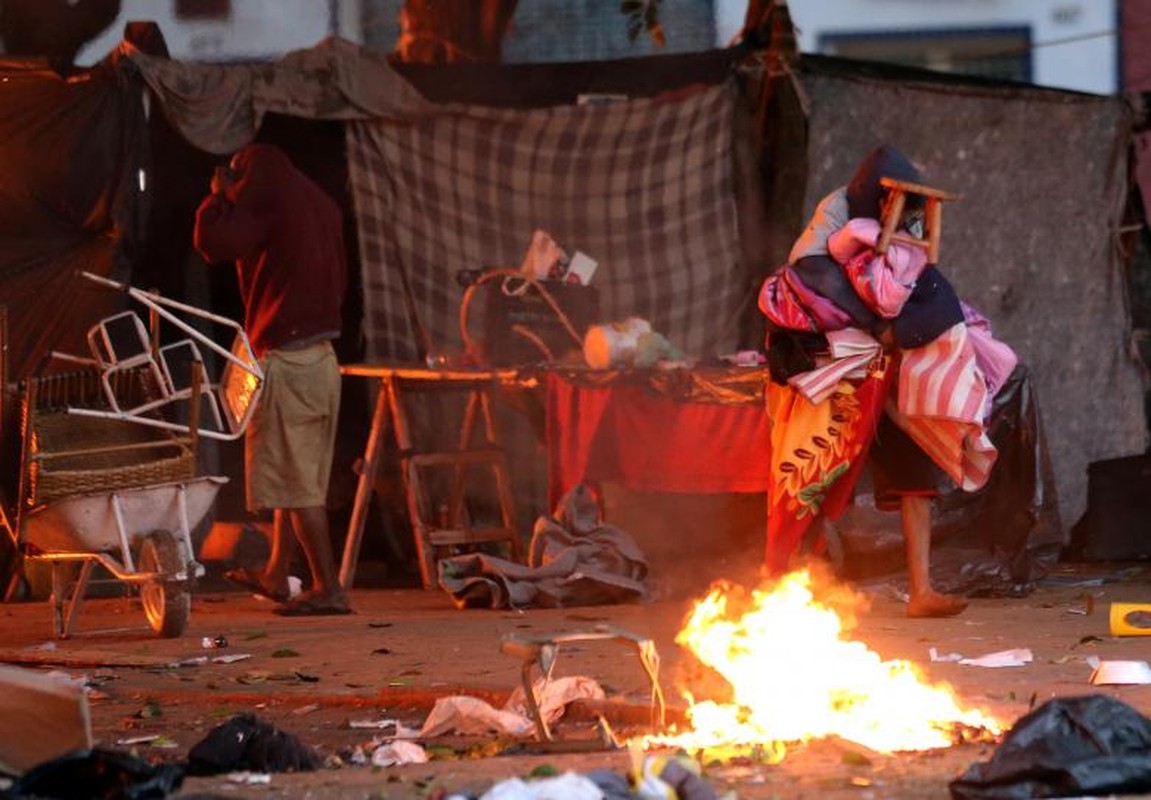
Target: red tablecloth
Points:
x,y
625,433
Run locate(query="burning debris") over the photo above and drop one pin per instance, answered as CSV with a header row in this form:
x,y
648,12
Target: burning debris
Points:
x,y
794,675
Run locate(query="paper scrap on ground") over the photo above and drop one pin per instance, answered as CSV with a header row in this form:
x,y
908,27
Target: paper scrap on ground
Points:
x,y
1004,658
938,657
1124,673
400,732
400,752
250,778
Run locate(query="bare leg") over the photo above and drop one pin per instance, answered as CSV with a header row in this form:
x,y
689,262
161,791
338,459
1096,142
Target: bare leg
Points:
x,y
924,601
272,580
283,552
311,527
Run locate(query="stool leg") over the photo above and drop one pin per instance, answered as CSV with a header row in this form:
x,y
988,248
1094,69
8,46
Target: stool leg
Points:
x,y
894,212
934,223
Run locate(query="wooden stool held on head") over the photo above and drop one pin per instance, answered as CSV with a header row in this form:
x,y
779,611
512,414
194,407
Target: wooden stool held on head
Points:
x,y
893,209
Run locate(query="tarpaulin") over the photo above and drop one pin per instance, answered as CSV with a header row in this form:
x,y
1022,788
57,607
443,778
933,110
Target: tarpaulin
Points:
x,y
72,149
219,107
645,187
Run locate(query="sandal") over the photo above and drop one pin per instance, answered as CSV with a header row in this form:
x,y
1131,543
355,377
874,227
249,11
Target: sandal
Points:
x,y
252,581
304,606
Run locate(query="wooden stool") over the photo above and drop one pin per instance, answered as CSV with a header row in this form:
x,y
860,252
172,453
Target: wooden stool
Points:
x,y
443,525
893,212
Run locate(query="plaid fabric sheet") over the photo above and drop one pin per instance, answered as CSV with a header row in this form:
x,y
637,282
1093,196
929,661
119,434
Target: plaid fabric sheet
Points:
x,y
644,187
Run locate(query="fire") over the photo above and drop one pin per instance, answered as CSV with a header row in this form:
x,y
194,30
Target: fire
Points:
x,y
795,676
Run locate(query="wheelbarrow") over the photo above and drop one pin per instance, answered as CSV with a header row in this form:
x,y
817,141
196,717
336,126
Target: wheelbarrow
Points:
x,y
108,458
140,535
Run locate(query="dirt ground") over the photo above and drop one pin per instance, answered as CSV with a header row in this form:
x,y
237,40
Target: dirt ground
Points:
x,y
315,677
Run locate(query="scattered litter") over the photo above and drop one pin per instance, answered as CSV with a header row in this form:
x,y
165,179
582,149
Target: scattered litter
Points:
x,y
214,642
308,709
45,647
1122,673
399,752
134,740
659,776
231,658
946,657
401,731
1130,619
470,715
250,778
150,710
1004,658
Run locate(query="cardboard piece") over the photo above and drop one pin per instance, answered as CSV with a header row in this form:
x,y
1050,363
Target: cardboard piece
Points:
x,y
45,716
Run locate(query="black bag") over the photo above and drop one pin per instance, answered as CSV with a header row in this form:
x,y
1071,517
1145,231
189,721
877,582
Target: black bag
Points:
x,y
1114,526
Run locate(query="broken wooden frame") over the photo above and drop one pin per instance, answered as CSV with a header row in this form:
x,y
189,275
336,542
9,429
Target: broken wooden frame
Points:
x,y
544,650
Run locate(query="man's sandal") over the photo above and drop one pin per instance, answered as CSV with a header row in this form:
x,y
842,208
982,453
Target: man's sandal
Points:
x,y
252,581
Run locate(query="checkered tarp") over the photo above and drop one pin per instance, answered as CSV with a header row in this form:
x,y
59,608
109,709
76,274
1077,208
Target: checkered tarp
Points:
x,y
644,187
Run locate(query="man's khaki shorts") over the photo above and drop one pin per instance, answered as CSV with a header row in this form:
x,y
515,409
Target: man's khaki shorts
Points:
x,y
291,435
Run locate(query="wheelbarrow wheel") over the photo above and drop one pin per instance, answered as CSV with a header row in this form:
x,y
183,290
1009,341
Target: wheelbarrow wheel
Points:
x,y
167,605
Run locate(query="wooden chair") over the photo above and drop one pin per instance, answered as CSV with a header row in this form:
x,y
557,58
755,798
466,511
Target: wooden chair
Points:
x,y
893,213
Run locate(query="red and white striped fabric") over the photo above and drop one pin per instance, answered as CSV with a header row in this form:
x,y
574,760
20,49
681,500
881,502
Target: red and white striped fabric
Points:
x,y
941,402
852,350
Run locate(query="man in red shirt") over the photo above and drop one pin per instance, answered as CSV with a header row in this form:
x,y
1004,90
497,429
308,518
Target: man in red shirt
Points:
x,y
285,236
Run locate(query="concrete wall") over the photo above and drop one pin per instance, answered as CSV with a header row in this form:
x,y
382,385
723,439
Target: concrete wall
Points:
x,y
253,30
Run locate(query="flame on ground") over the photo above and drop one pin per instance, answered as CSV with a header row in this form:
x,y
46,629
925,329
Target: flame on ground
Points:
x,y
794,677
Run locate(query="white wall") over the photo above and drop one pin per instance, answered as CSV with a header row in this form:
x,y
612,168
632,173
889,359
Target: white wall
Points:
x,y
1087,64
255,30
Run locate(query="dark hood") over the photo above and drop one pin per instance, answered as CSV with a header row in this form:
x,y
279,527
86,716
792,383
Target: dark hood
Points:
x,y
864,194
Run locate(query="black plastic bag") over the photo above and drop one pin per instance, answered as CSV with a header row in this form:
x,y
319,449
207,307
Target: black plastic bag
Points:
x,y
97,774
246,743
1068,747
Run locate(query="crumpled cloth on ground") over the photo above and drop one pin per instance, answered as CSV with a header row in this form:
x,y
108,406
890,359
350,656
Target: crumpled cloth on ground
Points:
x,y
574,559
471,715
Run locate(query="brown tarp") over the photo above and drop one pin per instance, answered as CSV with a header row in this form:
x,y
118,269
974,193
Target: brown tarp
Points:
x,y
71,151
219,108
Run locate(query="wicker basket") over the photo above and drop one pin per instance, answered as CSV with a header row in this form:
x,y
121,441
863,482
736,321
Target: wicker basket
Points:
x,y
71,454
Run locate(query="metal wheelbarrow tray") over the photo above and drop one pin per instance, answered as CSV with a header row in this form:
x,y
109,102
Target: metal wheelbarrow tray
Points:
x,y
140,535
114,493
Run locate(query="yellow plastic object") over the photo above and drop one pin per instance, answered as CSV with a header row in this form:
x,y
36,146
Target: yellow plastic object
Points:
x,y
1131,619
